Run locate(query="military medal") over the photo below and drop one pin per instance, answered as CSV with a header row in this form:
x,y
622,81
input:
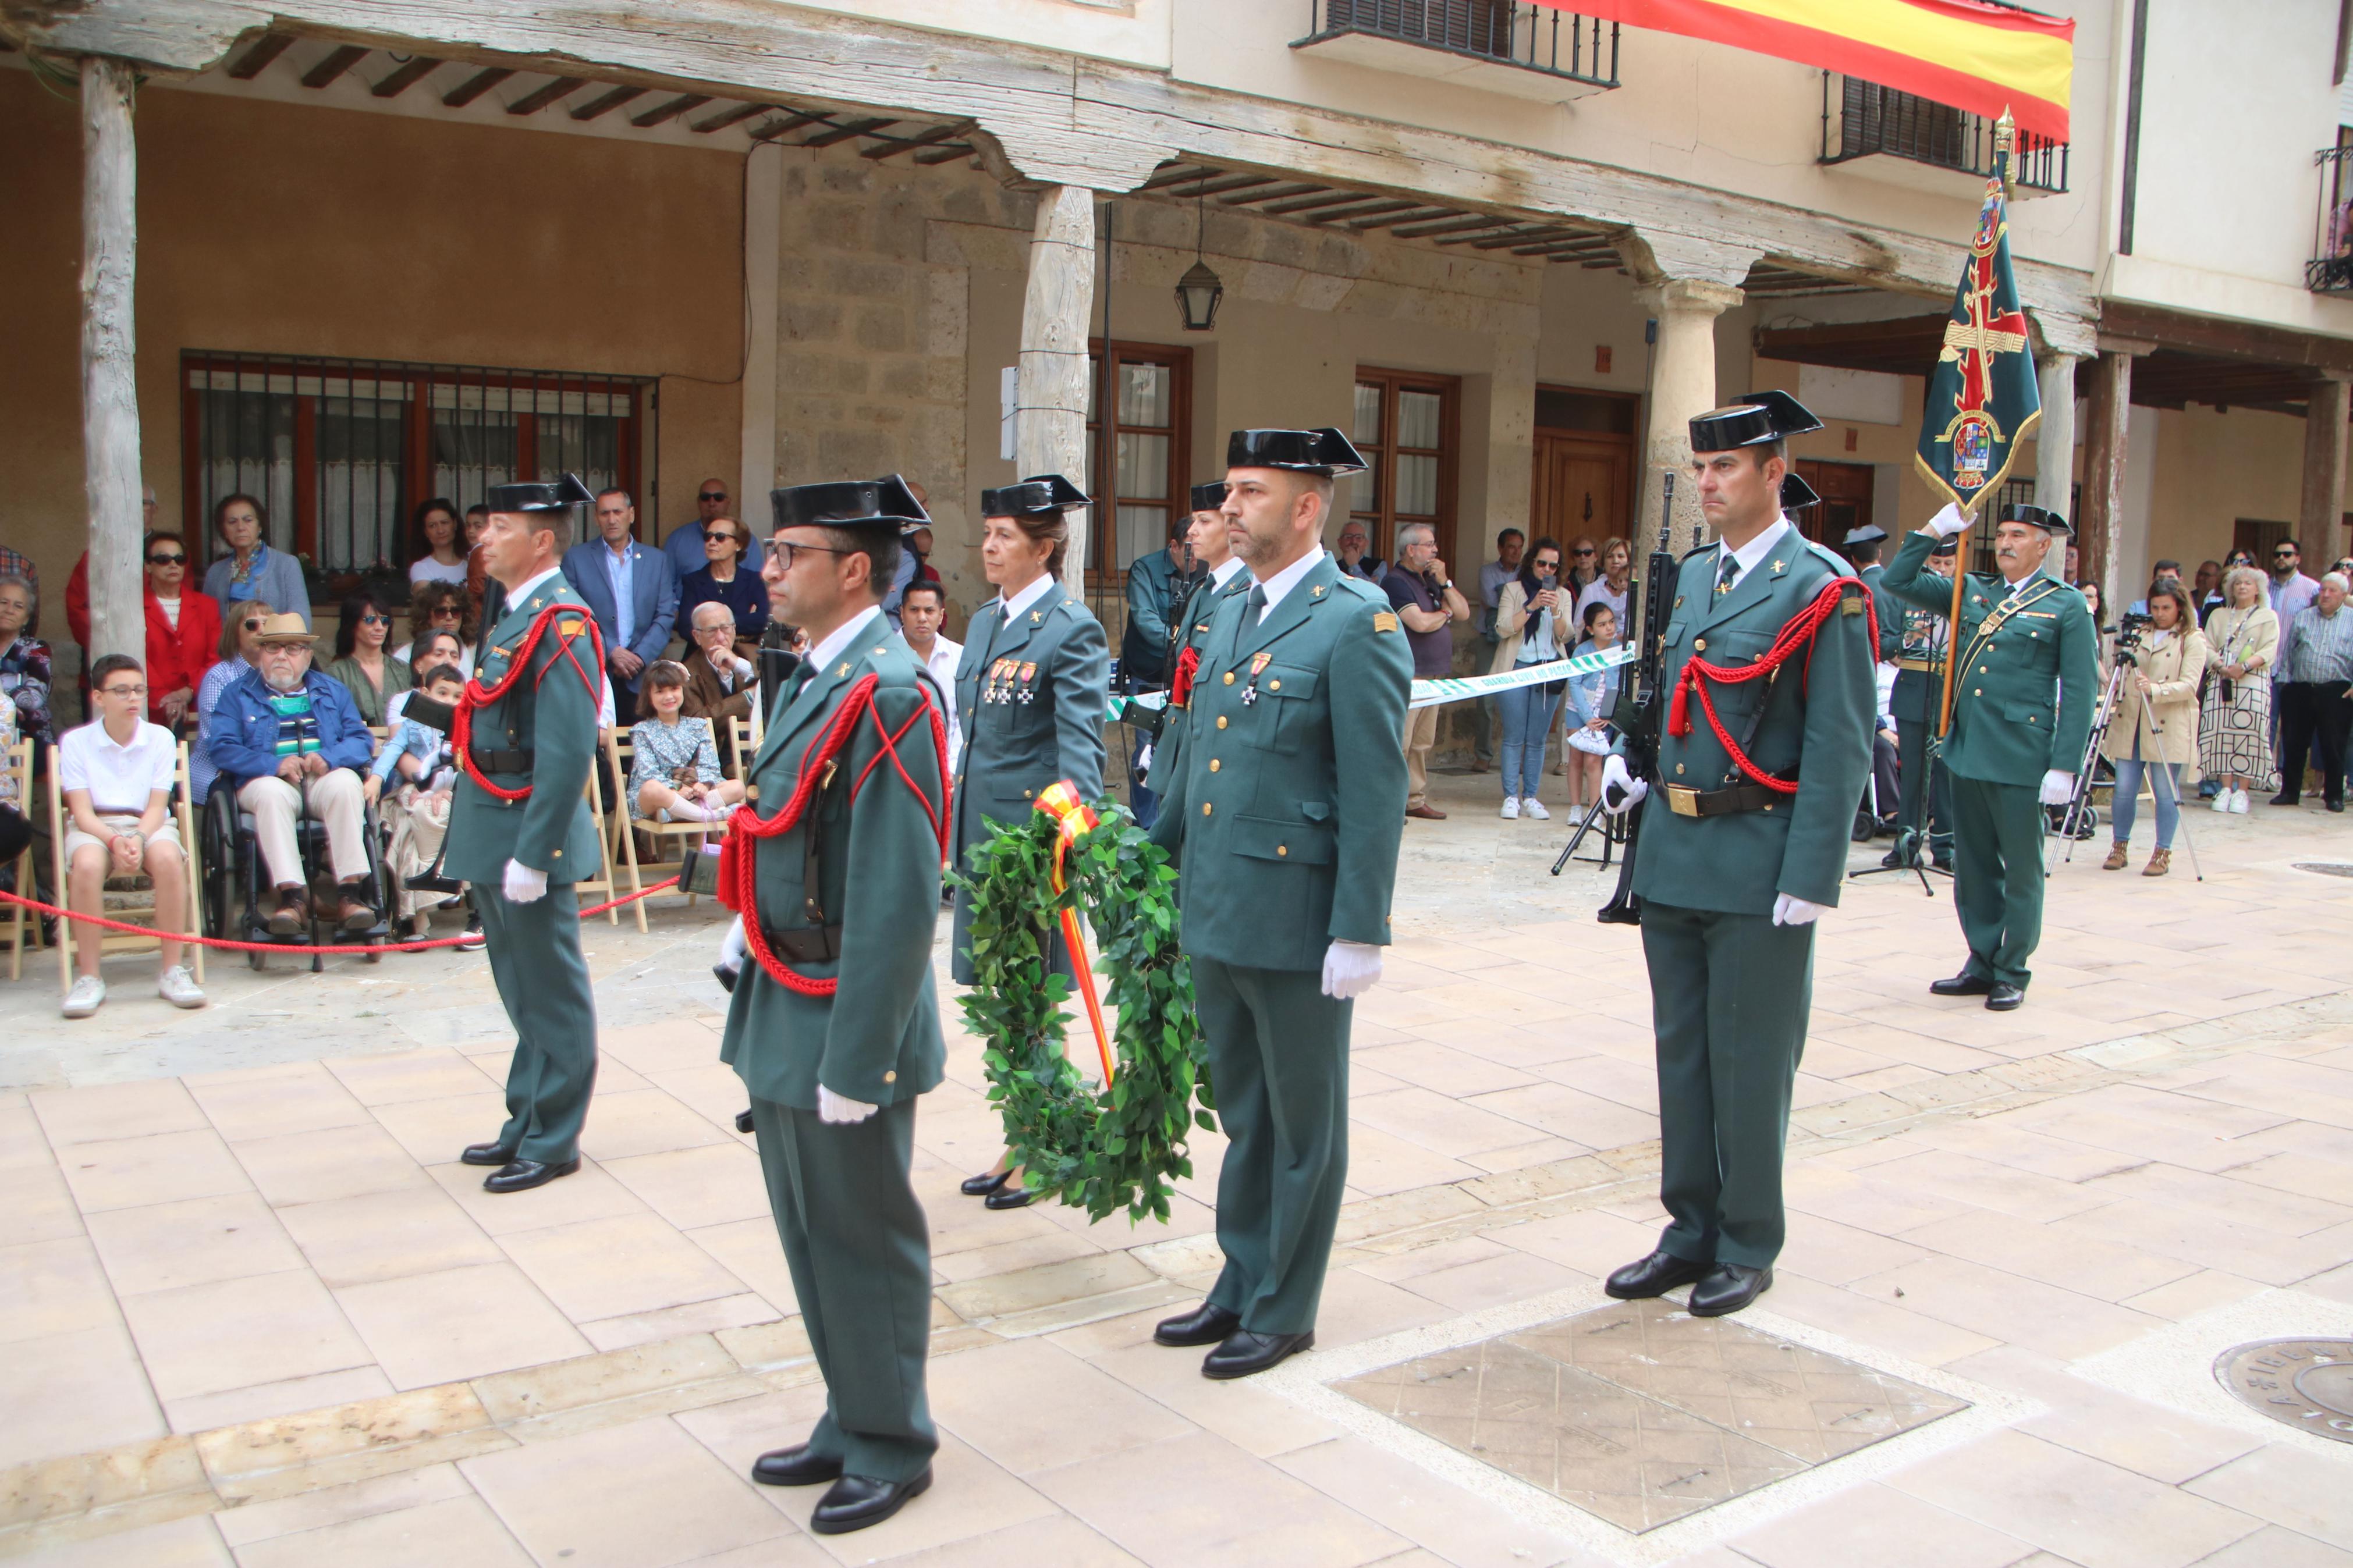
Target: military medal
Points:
x,y
1029,674
1259,662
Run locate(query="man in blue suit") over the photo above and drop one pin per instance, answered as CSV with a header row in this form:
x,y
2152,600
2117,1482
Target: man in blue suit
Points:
x,y
631,589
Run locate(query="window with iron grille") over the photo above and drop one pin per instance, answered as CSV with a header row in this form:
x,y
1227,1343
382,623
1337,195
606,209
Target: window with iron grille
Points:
x,y
1408,426
342,452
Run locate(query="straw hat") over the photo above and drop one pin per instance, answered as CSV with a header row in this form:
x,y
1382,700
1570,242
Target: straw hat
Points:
x,y
278,629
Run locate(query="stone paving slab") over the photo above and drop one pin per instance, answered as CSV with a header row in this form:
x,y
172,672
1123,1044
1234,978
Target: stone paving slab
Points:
x,y
251,1310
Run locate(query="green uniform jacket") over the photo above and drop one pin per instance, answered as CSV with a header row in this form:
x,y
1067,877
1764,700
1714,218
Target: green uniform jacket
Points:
x,y
877,1038
1812,721
1168,751
2022,697
1024,731
1890,625
1290,799
1141,650
551,713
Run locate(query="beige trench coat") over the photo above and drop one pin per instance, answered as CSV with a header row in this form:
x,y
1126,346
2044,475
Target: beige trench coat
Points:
x,y
2173,670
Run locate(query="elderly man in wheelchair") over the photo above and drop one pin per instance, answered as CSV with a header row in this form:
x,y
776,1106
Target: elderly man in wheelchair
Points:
x,y
292,747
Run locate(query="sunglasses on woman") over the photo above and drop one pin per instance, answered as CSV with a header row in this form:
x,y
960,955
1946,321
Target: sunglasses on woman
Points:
x,y
450,611
167,561
252,625
376,620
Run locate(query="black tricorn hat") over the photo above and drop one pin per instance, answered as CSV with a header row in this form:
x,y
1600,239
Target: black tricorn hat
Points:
x,y
2037,516
886,502
1210,497
1869,533
1757,418
1796,495
1949,545
1037,494
543,495
1324,452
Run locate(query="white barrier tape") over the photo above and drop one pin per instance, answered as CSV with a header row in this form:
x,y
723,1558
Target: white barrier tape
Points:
x,y
1452,688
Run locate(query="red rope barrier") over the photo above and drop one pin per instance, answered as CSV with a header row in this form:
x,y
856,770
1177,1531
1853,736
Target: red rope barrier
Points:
x,y
225,945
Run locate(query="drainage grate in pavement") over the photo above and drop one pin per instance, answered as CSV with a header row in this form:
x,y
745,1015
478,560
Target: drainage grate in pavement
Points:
x,y
1640,1414
2304,1383
2326,867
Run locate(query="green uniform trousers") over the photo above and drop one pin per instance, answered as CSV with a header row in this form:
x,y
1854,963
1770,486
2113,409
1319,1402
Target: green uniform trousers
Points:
x,y
1278,1052
861,1255
534,952
1997,832
1729,996
1931,817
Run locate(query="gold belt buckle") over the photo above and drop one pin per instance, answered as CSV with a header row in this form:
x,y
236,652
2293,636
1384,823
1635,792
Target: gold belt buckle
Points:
x,y
1682,800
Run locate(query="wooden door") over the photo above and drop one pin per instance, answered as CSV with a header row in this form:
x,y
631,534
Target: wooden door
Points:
x,y
1845,489
1582,486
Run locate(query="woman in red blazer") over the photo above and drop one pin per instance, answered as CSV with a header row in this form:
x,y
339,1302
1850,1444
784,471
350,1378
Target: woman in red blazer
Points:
x,y
183,629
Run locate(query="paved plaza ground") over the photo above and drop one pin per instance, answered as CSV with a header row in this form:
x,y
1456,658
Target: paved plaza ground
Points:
x,y
253,1312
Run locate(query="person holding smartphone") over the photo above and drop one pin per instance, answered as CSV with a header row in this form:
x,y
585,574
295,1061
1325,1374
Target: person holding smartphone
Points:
x,y
1532,625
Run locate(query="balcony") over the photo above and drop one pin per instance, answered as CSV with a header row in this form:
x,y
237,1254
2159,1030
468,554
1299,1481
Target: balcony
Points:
x,y
2330,270
1877,133
1523,50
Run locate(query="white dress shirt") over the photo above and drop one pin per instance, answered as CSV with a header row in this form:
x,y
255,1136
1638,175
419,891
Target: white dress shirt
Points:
x,y
1045,582
1224,570
943,666
1745,558
1284,581
842,638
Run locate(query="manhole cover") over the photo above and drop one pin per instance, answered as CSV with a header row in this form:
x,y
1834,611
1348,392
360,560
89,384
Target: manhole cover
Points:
x,y
2326,867
2304,1383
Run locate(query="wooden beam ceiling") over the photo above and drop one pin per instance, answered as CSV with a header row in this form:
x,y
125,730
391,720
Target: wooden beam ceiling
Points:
x,y
402,78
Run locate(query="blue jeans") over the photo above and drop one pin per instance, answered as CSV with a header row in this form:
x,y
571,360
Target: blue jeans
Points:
x,y
1527,719
2127,801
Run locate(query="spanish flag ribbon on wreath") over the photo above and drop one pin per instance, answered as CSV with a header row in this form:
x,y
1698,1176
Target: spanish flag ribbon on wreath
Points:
x,y
1982,399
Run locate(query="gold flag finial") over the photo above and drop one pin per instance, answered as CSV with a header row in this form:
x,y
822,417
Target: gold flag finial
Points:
x,y
2005,143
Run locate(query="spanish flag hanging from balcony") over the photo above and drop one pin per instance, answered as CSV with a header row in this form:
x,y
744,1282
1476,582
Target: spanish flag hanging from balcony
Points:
x,y
1982,398
1980,57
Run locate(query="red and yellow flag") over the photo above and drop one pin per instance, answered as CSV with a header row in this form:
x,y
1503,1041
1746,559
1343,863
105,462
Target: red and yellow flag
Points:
x,y
1964,53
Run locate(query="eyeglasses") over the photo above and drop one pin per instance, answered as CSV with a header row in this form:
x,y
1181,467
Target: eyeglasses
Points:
x,y
1544,566
252,625
712,495
715,535
441,610
181,559
2282,554
1582,550
784,551
122,691
375,620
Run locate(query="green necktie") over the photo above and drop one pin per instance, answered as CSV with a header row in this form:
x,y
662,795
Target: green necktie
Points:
x,y
1725,574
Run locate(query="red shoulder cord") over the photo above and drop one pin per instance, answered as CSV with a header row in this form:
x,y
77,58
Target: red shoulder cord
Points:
x,y
737,882
1800,632
476,695
1180,684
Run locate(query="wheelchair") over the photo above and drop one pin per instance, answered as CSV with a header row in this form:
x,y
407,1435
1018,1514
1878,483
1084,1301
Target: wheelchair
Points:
x,y
237,886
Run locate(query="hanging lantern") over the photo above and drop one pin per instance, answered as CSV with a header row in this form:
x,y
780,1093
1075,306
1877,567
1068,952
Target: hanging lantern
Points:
x,y
1199,290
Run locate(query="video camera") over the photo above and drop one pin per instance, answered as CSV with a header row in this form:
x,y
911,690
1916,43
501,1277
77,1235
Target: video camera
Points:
x,y
2129,628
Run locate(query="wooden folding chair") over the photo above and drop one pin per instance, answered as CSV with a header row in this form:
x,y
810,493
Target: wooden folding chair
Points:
x,y
605,887
744,735
191,852
618,752
23,924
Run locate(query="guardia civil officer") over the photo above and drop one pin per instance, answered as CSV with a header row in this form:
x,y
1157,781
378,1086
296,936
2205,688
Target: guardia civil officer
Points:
x,y
2025,680
1224,573
1731,870
1292,794
1032,690
519,829
1921,641
844,898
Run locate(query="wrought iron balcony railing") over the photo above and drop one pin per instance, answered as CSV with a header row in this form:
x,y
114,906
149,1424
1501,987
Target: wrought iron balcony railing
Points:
x,y
1579,52
1860,119
2330,270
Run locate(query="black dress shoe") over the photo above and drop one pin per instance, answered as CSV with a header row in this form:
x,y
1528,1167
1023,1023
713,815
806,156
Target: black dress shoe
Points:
x,y
987,1182
1654,1276
1941,862
1962,985
794,1467
1728,1288
2004,999
1244,1353
522,1175
743,1121
1009,1198
2283,798
853,1502
725,974
1207,1324
2336,804
487,1154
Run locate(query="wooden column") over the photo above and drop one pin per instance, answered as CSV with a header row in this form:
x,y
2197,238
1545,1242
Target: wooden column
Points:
x,y
2103,474
1682,384
764,188
2319,522
109,393
1050,425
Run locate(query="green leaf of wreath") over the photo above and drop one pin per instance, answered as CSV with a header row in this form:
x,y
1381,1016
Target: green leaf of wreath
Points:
x,y
1094,1149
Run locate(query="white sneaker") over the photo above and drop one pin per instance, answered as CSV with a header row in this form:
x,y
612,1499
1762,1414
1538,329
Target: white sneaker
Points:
x,y
1511,807
2239,803
88,995
1534,808
179,988
2222,799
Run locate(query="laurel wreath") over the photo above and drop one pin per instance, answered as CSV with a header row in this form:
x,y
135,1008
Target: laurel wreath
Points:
x,y
1093,1148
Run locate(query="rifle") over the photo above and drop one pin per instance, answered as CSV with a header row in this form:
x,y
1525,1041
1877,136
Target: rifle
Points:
x,y
1642,703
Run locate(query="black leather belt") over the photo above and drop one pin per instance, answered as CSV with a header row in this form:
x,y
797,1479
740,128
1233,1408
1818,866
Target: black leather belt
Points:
x,y
1684,801
503,762
809,945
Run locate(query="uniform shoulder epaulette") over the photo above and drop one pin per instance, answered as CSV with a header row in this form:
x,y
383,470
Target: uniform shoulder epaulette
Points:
x,y
1695,549
1363,590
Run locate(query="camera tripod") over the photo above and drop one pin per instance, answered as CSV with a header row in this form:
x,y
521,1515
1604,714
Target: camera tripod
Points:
x,y
1912,837
1613,833
2075,825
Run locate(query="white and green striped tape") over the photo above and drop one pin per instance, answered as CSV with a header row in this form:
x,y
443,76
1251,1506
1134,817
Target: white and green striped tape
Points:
x,y
1454,688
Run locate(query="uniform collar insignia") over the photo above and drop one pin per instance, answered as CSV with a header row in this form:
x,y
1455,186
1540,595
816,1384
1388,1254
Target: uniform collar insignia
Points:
x,y
1037,615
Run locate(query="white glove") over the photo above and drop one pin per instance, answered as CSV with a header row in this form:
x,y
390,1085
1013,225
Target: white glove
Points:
x,y
1620,791
839,1109
2058,788
1350,969
732,947
523,885
1790,911
1948,522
